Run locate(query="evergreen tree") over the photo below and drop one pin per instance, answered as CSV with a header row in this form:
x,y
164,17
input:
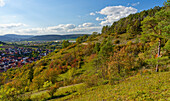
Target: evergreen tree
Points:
x,y
158,27
31,72
97,48
106,49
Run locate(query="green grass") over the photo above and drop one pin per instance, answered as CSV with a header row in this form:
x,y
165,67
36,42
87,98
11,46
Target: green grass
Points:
x,y
141,87
61,94
148,87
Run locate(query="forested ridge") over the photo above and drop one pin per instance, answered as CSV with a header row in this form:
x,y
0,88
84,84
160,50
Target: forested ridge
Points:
x,y
131,24
133,48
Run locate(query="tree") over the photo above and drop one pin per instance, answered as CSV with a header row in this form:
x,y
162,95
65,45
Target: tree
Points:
x,y
105,29
106,49
167,4
95,33
97,48
65,44
52,74
104,53
30,74
84,38
158,27
38,82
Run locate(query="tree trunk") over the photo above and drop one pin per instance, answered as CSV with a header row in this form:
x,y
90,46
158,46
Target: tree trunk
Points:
x,y
119,69
159,52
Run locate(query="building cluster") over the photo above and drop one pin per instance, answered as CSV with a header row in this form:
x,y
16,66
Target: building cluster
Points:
x,y
17,57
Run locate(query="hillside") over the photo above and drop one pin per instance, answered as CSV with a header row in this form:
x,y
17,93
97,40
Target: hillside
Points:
x,y
114,65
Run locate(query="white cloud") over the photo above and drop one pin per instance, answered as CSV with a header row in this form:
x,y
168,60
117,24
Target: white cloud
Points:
x,y
86,30
30,31
99,19
62,27
12,25
135,4
59,29
92,13
114,13
88,25
2,3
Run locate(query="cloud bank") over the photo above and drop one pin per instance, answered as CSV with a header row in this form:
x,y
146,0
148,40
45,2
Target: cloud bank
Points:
x,y
114,13
12,25
85,28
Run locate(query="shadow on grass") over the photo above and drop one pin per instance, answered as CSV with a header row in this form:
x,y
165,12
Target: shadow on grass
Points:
x,y
60,96
78,74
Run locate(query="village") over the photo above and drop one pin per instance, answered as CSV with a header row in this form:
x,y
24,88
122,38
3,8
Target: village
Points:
x,y
17,57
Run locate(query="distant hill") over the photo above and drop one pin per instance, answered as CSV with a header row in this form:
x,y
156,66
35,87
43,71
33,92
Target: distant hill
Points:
x,y
53,37
3,38
14,37
18,36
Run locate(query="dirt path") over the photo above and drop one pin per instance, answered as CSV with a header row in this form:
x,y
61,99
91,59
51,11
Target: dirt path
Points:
x,y
70,85
44,91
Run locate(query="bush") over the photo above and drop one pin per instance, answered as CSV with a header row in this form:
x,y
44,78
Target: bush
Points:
x,y
26,89
129,43
116,42
47,84
52,90
116,36
92,81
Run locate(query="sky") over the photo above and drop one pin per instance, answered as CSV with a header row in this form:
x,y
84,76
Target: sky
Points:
x,y
45,17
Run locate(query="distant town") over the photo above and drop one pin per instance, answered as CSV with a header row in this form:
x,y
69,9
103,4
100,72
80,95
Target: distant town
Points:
x,y
17,57
17,54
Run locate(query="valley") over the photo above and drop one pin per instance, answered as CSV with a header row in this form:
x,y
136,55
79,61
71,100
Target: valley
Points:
x,y
128,60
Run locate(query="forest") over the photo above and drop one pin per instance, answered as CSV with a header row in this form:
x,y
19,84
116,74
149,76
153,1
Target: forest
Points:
x,y
128,60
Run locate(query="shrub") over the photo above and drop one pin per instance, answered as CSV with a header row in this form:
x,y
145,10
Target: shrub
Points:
x,y
26,89
116,42
129,43
47,84
92,81
116,36
52,90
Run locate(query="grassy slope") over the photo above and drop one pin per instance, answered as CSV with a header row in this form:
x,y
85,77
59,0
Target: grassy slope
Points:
x,y
141,87
147,87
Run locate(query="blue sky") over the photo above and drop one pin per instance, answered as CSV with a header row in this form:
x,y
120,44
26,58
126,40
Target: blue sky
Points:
x,y
40,17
